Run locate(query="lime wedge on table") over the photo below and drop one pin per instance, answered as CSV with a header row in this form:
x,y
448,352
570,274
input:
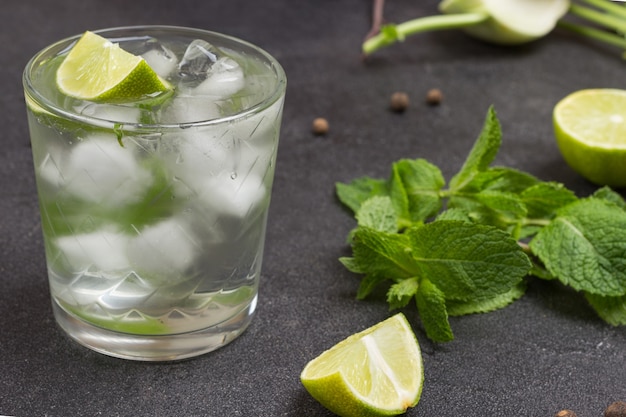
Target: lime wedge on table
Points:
x,y
377,372
590,129
97,69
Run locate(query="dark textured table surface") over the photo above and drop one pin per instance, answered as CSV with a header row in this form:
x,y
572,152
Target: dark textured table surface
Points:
x,y
545,352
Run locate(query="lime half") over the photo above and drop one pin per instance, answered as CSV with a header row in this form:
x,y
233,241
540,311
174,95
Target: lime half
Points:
x,y
377,372
97,69
590,130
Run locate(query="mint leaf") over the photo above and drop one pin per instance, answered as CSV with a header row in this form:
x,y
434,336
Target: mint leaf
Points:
x,y
413,187
544,199
503,210
610,309
485,304
400,294
359,190
466,260
460,260
399,198
495,197
351,265
502,202
482,154
382,254
585,247
605,193
501,179
368,283
416,185
431,305
455,214
379,214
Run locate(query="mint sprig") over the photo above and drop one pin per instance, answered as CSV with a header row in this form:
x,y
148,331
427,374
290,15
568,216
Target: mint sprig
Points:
x,y
466,248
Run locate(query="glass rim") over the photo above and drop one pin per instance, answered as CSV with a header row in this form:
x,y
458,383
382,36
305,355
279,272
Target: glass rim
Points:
x,y
32,95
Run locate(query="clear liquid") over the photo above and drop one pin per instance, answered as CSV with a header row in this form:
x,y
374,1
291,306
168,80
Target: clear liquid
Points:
x,y
152,231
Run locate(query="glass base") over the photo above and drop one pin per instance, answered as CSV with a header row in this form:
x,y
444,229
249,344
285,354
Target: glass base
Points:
x,y
154,348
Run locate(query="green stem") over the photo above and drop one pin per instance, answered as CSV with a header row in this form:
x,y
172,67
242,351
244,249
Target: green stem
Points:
x,y
538,269
608,6
603,19
536,222
596,34
525,248
394,33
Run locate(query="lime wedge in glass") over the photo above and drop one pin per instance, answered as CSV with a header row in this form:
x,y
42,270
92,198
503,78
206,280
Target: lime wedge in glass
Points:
x,y
97,69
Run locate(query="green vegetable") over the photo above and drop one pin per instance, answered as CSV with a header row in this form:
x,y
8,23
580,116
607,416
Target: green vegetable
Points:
x,y
499,225
509,22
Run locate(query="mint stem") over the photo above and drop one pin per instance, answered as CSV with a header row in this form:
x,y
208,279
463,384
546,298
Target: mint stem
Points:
x,y
423,24
525,248
610,7
610,21
606,20
536,222
596,34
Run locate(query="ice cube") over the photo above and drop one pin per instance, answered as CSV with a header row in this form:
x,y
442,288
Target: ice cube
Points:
x,y
224,79
109,112
100,170
192,156
49,169
189,109
198,59
160,58
256,137
234,195
104,250
164,251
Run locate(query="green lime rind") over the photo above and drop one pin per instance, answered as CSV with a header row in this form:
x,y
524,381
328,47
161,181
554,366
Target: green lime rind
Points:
x,y
141,325
341,401
96,69
236,297
59,125
151,105
601,166
376,372
141,84
589,128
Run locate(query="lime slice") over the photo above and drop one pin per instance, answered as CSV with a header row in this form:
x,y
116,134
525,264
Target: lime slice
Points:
x,y
590,130
235,297
377,372
34,107
139,324
98,70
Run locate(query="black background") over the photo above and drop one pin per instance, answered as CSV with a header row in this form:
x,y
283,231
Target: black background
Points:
x,y
545,352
